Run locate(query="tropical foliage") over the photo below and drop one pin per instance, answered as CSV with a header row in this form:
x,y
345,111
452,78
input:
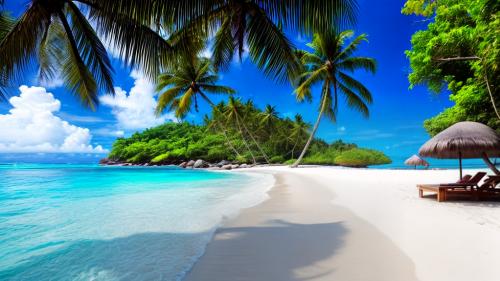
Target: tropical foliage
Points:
x,y
59,35
330,64
459,50
190,81
64,36
173,143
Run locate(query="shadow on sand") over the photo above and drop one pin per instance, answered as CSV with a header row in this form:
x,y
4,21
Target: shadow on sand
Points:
x,y
287,247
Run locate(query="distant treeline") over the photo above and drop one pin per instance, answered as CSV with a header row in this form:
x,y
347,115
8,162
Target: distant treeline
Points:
x,y
250,136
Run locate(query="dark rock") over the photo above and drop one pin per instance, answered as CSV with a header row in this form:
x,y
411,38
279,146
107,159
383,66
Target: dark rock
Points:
x,y
223,163
227,167
200,164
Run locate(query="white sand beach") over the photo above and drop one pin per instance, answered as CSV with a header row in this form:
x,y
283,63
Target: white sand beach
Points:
x,y
323,223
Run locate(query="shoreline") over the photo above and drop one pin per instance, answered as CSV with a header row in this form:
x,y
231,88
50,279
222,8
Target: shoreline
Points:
x,y
316,226
293,243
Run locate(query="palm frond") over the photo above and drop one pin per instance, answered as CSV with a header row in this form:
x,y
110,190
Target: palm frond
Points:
x,y
303,91
76,74
355,85
309,16
184,105
216,89
352,47
270,50
308,59
51,52
330,110
135,43
18,46
91,49
355,63
166,98
223,47
354,101
6,24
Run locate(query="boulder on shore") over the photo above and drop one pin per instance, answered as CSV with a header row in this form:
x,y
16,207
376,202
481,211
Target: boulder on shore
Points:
x,y
190,163
223,163
227,167
244,165
200,164
183,165
235,166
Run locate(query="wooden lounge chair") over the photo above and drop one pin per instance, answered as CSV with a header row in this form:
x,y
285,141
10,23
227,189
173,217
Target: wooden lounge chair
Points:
x,y
465,187
490,187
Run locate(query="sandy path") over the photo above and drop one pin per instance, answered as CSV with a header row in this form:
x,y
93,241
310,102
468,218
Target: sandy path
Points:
x,y
298,234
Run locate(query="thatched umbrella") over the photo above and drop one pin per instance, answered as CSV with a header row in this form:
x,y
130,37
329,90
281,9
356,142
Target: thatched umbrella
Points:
x,y
416,161
464,140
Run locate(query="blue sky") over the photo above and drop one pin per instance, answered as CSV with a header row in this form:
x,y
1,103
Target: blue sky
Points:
x,y
394,126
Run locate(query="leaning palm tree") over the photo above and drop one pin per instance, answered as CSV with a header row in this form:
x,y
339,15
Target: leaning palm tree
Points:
x,y
60,36
300,130
269,117
329,65
233,111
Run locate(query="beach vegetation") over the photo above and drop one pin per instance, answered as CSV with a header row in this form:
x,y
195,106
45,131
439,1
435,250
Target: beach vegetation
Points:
x,y
458,53
173,143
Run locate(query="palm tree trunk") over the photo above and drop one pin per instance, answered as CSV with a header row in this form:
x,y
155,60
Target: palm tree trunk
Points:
x,y
221,126
256,143
294,146
311,137
244,141
229,143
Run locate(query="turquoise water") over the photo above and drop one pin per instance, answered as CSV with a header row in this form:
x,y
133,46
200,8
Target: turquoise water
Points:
x,y
85,222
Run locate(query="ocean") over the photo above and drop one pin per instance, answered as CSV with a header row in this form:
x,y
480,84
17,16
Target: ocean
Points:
x,y
88,222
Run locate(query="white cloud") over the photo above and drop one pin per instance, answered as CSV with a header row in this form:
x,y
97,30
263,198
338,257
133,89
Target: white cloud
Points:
x,y
107,132
53,83
79,118
371,134
341,129
135,111
31,126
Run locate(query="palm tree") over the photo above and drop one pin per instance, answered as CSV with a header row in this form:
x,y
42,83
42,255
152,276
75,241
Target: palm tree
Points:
x,y
235,25
329,64
64,43
269,117
233,112
194,78
300,129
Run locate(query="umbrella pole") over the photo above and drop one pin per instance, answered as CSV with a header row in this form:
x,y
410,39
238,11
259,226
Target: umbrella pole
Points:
x,y
460,163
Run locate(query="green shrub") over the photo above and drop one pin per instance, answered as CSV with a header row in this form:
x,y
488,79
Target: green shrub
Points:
x,y
359,157
278,159
242,159
160,158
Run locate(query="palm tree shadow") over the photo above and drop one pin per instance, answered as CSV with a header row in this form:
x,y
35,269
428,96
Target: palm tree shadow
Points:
x,y
145,256
287,247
